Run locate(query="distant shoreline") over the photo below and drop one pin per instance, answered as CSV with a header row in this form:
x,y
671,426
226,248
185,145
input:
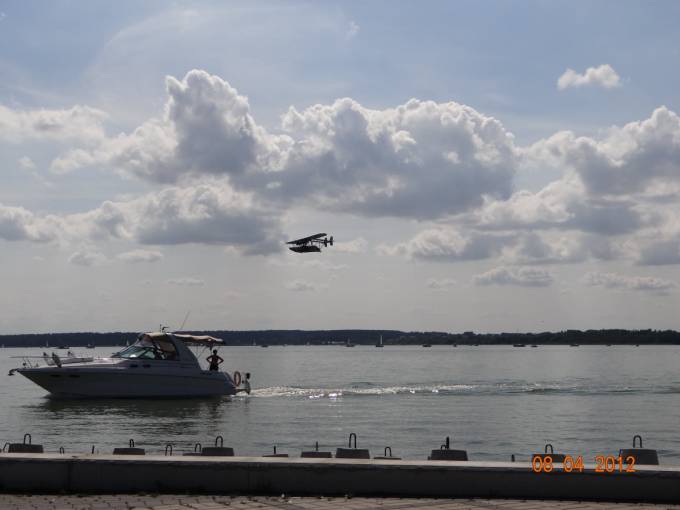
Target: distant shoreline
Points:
x,y
365,337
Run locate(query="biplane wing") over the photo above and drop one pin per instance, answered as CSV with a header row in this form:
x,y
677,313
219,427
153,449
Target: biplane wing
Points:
x,y
305,240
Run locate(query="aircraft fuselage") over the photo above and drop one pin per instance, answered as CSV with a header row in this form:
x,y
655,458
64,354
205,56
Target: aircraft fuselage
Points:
x,y
305,248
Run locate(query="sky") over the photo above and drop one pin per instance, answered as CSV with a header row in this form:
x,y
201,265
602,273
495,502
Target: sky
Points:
x,y
482,165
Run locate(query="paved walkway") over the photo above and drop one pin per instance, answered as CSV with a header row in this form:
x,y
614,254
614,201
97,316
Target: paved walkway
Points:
x,y
173,502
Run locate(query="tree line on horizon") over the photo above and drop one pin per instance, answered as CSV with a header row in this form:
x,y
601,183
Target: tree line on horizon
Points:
x,y
364,337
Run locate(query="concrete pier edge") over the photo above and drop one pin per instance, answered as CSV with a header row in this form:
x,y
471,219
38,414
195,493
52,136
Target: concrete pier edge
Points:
x,y
109,474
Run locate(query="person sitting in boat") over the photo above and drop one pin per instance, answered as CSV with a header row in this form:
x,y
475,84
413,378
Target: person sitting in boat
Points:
x,y
214,360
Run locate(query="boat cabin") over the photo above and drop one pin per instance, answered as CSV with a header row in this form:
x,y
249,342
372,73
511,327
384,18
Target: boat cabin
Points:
x,y
165,346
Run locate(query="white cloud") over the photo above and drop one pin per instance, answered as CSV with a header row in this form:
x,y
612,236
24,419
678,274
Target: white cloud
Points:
x,y
659,252
619,281
450,245
140,256
208,215
522,276
19,224
206,129
639,157
563,204
601,76
87,257
79,123
396,162
301,286
440,283
421,159
358,245
352,30
211,214
26,163
186,282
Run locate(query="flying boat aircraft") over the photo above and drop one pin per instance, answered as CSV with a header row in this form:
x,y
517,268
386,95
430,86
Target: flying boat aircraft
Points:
x,y
311,243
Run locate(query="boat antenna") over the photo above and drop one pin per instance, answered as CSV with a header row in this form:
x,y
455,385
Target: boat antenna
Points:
x,y
185,320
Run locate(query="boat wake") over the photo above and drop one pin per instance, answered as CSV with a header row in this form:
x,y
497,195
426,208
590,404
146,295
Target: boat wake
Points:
x,y
489,389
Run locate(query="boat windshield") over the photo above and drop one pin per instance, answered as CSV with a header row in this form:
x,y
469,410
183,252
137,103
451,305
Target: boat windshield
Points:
x,y
150,348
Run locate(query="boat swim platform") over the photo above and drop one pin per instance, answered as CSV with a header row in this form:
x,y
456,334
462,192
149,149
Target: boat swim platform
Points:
x,y
115,474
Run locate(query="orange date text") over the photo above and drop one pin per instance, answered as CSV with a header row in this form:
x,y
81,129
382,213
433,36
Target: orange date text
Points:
x,y
603,464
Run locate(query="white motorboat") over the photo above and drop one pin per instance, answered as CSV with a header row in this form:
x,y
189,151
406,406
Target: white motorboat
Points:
x,y
158,364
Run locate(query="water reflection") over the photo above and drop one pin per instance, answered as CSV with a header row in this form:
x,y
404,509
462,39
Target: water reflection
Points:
x,y
165,417
134,408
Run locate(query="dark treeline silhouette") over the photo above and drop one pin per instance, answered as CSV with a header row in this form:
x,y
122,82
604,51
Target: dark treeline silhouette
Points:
x,y
364,336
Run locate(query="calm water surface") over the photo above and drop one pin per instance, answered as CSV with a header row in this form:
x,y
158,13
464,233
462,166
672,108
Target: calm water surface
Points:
x,y
493,400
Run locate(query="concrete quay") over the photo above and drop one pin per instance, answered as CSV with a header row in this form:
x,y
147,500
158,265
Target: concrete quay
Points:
x,y
113,474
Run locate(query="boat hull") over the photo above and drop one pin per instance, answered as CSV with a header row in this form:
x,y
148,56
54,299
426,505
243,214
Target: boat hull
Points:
x,y
67,382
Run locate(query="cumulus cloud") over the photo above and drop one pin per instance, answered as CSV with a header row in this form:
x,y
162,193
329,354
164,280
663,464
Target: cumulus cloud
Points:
x,y
208,215
229,181
204,214
87,257
301,286
352,30
135,256
522,276
440,283
186,282
560,223
619,281
358,245
559,248
659,252
601,76
421,159
26,163
80,123
20,224
450,245
639,157
563,204
206,129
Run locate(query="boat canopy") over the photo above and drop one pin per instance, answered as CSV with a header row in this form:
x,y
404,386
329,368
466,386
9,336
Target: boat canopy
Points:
x,y
199,339
188,339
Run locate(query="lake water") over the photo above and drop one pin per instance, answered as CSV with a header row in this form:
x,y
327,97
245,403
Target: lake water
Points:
x,y
493,401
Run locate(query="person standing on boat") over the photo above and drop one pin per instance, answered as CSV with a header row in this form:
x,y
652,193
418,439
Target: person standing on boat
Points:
x,y
214,361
